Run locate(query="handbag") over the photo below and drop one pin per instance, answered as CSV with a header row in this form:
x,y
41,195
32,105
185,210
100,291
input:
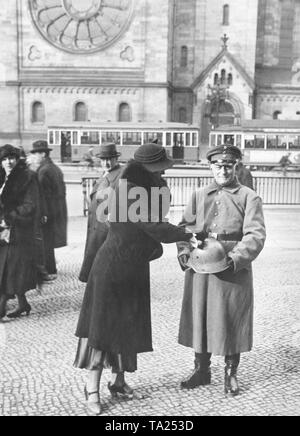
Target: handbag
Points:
x,y
5,236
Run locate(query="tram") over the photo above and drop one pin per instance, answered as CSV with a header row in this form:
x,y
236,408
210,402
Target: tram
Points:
x,y
263,142
70,143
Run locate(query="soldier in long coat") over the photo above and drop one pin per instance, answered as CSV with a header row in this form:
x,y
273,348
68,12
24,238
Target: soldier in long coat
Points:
x,y
217,309
243,175
53,189
97,227
20,214
115,319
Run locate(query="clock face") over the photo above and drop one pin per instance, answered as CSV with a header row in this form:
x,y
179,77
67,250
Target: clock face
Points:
x,y
81,26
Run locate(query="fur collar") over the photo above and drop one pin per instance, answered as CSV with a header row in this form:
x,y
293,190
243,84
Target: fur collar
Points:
x,y
16,184
135,173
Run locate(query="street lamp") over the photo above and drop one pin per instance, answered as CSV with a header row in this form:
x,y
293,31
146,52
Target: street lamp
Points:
x,y
216,94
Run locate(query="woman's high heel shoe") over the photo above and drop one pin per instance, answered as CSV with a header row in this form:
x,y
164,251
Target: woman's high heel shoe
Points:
x,y
17,313
124,391
93,406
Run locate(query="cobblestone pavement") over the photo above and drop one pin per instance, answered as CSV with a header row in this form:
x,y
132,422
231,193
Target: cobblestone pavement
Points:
x,y
36,353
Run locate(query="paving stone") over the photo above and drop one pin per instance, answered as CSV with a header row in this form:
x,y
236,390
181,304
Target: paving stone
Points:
x,y
37,352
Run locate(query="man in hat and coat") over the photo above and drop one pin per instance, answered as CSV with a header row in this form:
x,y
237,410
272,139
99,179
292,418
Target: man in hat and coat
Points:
x,y
217,308
53,190
97,227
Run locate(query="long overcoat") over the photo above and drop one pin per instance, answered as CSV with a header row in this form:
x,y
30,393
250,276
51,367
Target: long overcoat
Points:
x,y
244,175
97,226
21,210
115,314
217,309
51,180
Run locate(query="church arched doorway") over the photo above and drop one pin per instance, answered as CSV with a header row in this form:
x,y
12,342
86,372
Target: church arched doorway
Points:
x,y
216,113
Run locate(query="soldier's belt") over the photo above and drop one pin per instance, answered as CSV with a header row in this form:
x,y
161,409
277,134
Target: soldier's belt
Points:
x,y
235,237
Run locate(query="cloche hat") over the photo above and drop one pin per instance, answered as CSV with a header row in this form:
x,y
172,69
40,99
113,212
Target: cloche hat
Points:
x,y
153,157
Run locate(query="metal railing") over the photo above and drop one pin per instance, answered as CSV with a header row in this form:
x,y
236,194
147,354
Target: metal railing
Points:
x,y
273,190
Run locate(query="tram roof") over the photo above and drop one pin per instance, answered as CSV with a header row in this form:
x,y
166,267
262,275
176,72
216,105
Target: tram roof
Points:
x,y
123,126
259,125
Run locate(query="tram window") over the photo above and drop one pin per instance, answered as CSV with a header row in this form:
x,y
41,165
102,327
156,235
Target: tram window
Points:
x,y
259,141
294,142
195,139
75,138
238,140
249,141
132,138
212,140
156,137
94,137
229,139
89,138
57,137
84,138
168,139
178,140
51,137
272,141
54,137
282,142
219,139
188,139
110,137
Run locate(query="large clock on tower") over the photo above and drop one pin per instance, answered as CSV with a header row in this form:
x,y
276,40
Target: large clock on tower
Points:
x,y
81,26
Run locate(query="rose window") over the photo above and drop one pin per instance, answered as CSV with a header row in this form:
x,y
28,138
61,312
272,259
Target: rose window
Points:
x,y
81,26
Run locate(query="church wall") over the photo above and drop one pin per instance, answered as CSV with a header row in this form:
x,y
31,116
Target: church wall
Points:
x,y
198,24
133,70
9,90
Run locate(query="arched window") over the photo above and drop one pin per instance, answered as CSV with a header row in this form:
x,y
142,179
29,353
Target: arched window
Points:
x,y
229,79
182,115
124,112
216,79
226,15
184,56
276,115
38,112
81,112
223,77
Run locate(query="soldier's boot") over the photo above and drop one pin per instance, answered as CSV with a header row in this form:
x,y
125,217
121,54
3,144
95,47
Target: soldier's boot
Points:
x,y
201,375
231,385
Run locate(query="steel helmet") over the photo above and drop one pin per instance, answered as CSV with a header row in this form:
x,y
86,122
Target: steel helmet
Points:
x,y
209,259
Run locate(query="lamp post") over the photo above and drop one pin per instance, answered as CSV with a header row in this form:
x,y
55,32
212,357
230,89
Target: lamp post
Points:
x,y
216,94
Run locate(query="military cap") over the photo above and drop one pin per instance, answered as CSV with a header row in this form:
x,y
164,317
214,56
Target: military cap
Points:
x,y
224,153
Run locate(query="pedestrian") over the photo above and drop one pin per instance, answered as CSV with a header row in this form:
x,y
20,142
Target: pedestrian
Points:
x,y
97,227
285,163
243,175
53,188
115,320
217,308
19,211
89,158
42,274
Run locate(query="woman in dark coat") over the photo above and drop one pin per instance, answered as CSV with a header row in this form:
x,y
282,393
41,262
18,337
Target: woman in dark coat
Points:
x,y
115,319
19,210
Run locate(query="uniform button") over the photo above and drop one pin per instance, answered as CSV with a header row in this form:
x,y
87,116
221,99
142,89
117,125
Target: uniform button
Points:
x,y
216,214
215,225
217,202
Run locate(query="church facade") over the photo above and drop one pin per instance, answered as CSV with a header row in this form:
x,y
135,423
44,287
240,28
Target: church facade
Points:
x,y
195,61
